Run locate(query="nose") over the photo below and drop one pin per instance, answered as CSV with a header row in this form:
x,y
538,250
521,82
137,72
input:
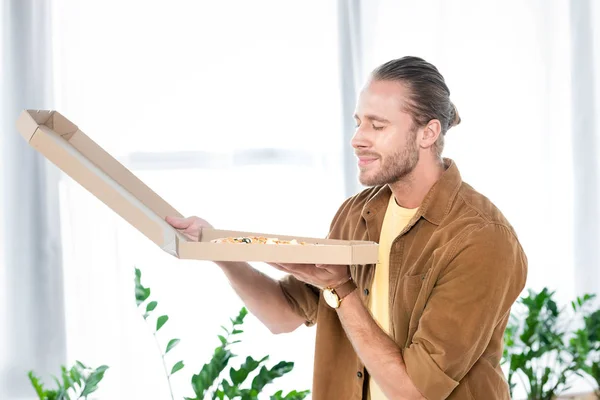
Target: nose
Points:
x,y
359,139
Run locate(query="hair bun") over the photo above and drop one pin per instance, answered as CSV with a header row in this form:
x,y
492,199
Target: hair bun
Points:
x,y
455,116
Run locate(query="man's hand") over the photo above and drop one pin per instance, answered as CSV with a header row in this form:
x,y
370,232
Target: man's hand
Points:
x,y
319,275
190,227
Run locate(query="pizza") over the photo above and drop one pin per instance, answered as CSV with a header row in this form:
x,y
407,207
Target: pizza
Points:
x,y
256,240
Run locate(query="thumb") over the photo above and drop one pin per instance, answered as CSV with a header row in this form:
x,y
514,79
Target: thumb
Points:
x,y
179,223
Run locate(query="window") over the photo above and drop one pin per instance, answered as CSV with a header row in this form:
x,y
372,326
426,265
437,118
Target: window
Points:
x,y
230,111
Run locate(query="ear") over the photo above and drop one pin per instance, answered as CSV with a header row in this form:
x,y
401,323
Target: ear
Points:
x,y
430,134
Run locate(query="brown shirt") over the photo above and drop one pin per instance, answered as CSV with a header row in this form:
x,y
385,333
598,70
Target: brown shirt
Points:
x,y
455,272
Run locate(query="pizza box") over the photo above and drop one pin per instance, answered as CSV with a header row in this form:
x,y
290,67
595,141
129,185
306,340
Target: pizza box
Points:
x,y
66,146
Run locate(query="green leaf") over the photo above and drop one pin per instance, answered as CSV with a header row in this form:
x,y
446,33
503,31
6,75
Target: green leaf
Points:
x,y
223,340
62,395
238,376
141,293
277,395
239,320
52,394
91,383
81,365
67,381
151,306
161,321
179,365
237,332
266,376
172,343
211,371
76,375
37,385
293,395
592,326
229,390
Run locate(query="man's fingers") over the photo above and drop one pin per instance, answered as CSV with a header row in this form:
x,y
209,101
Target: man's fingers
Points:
x,y
298,266
285,268
304,272
304,269
331,266
179,223
190,236
278,266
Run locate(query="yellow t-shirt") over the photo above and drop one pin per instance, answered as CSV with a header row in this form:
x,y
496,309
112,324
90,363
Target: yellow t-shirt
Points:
x,y
396,218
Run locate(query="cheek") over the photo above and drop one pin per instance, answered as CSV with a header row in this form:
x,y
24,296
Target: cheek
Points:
x,y
390,145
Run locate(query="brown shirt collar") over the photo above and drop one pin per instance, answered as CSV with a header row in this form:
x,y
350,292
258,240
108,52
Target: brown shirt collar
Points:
x,y
436,204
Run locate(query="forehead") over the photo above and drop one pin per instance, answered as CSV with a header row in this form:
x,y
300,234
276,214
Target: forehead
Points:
x,y
382,97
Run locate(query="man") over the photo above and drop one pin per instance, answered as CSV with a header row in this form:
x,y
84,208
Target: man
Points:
x,y
427,321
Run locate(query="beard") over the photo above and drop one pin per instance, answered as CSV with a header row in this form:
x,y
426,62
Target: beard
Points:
x,y
395,167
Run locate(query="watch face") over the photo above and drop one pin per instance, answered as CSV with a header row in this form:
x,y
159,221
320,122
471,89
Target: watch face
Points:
x,y
331,298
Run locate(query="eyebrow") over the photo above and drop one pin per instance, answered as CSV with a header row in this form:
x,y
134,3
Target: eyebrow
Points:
x,y
372,117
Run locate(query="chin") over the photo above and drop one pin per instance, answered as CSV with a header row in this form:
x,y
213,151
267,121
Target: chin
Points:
x,y
368,179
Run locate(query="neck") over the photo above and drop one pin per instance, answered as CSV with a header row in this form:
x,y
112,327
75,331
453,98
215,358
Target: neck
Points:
x,y
411,190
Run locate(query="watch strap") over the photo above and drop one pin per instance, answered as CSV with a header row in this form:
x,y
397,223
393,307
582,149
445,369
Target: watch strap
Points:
x,y
345,288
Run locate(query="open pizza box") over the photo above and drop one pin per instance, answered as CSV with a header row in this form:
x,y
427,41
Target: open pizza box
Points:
x,y
65,145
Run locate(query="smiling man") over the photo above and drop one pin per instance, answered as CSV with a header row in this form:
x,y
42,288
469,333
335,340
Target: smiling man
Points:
x,y
427,321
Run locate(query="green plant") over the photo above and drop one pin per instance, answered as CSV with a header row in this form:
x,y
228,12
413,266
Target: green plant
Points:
x,y
232,388
77,382
210,382
80,380
585,346
540,348
141,295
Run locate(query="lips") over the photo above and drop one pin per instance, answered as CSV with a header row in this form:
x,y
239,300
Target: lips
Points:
x,y
365,160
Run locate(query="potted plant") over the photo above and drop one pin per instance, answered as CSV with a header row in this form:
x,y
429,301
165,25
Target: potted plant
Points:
x,y
541,349
585,348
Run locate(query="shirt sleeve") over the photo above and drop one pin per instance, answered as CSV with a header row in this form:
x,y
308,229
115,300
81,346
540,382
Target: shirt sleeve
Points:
x,y
302,298
484,276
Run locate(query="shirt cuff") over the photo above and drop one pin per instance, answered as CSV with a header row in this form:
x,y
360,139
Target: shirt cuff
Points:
x,y
425,374
302,299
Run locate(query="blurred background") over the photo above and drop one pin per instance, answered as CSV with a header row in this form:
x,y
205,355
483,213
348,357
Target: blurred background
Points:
x,y
241,112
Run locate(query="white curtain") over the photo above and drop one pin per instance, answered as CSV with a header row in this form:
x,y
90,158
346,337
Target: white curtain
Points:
x,y
32,319
585,124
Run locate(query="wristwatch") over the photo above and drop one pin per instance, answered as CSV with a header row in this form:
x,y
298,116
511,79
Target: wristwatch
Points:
x,y
333,295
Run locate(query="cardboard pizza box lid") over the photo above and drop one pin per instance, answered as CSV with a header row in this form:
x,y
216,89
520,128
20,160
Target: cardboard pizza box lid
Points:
x,y
66,146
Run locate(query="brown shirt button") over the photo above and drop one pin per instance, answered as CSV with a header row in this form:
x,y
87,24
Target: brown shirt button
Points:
x,y
359,374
